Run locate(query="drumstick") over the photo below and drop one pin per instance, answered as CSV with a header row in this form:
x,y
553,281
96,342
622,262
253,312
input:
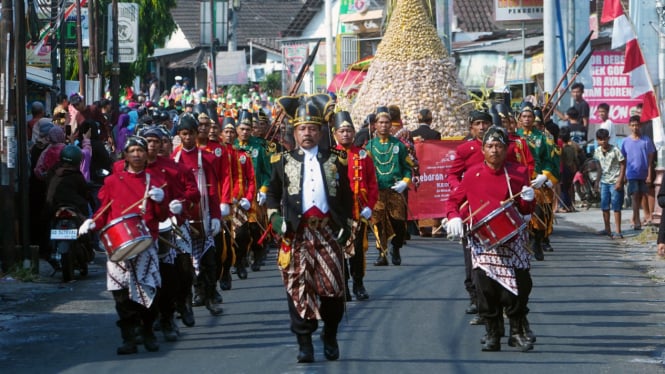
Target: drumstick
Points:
x,y
476,211
512,197
138,202
162,240
99,213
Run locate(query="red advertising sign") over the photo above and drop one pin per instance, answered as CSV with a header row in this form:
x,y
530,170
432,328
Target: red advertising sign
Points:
x,y
435,157
611,86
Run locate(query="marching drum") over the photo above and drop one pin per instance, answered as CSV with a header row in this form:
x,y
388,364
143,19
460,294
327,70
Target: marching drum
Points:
x,y
125,237
165,238
498,227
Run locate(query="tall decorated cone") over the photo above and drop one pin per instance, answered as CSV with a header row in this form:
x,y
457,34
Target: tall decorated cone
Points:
x,y
412,69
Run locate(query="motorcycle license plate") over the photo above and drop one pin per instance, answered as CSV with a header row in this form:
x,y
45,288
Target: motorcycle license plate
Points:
x,y
70,234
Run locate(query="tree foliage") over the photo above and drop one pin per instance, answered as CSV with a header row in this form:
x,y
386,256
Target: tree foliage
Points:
x,y
155,25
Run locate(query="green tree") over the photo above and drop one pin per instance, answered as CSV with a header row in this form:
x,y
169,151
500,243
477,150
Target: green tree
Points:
x,y
272,84
155,25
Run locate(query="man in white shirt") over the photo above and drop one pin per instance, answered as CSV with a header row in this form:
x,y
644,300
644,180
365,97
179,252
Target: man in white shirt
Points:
x,y
309,203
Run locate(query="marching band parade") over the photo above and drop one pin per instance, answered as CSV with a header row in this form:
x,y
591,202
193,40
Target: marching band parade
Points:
x,y
192,195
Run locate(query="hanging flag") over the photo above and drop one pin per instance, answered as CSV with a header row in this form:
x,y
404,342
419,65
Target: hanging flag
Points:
x,y
47,31
211,84
623,34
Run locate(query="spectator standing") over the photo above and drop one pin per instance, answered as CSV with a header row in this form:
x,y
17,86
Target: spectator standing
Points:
x,y
569,166
607,124
613,171
639,152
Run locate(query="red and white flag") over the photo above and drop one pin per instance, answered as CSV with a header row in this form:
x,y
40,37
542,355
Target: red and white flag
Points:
x,y
623,35
211,80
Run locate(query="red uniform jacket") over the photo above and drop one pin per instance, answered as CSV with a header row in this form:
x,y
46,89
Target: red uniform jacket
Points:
x,y
125,189
189,159
362,176
242,174
474,189
222,169
470,153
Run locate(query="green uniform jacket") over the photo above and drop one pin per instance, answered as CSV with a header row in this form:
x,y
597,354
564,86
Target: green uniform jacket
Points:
x,y
256,148
391,160
543,153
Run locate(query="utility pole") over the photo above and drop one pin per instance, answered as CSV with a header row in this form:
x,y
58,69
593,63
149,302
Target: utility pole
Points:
x,y
21,133
79,46
115,68
7,135
213,63
93,51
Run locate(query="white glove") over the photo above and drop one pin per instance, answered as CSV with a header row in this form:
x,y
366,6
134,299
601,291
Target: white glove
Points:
x,y
261,198
245,204
175,207
226,210
527,217
455,228
399,187
215,226
366,213
156,194
549,183
528,193
539,181
86,226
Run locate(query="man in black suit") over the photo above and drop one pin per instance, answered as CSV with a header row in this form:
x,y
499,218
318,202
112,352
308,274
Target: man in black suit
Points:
x,y
424,131
309,203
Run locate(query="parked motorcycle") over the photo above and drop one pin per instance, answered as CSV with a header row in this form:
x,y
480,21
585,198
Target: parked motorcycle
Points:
x,y
587,182
69,252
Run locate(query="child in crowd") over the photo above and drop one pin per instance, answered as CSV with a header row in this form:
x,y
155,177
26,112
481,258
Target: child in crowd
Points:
x,y
613,171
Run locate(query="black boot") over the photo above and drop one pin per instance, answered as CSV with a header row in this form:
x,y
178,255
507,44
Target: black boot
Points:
x,y
218,297
149,339
198,296
347,291
472,308
306,348
492,338
128,346
537,245
212,308
226,282
381,260
167,325
330,346
517,337
186,312
527,330
241,271
359,289
547,247
395,256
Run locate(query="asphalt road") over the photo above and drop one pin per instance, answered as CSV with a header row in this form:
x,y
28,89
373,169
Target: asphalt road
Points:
x,y
593,309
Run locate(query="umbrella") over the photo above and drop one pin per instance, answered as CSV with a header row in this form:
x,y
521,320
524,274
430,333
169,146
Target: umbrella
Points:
x,y
348,82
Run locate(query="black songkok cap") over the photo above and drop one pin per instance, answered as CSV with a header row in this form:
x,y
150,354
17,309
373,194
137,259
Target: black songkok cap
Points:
x,y
479,115
188,122
343,119
135,140
495,134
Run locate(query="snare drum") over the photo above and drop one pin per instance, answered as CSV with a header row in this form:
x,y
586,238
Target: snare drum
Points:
x,y
125,237
166,236
498,227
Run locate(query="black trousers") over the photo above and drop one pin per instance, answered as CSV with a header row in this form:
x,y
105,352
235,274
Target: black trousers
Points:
x,y
331,309
184,277
399,228
493,298
168,291
224,261
133,314
208,273
247,239
468,272
357,261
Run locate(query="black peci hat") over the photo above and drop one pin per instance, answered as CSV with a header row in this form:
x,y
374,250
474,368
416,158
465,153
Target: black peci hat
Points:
x,y
343,119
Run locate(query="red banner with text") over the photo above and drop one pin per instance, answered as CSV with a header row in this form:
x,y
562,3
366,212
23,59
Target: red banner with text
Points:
x,y
435,157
